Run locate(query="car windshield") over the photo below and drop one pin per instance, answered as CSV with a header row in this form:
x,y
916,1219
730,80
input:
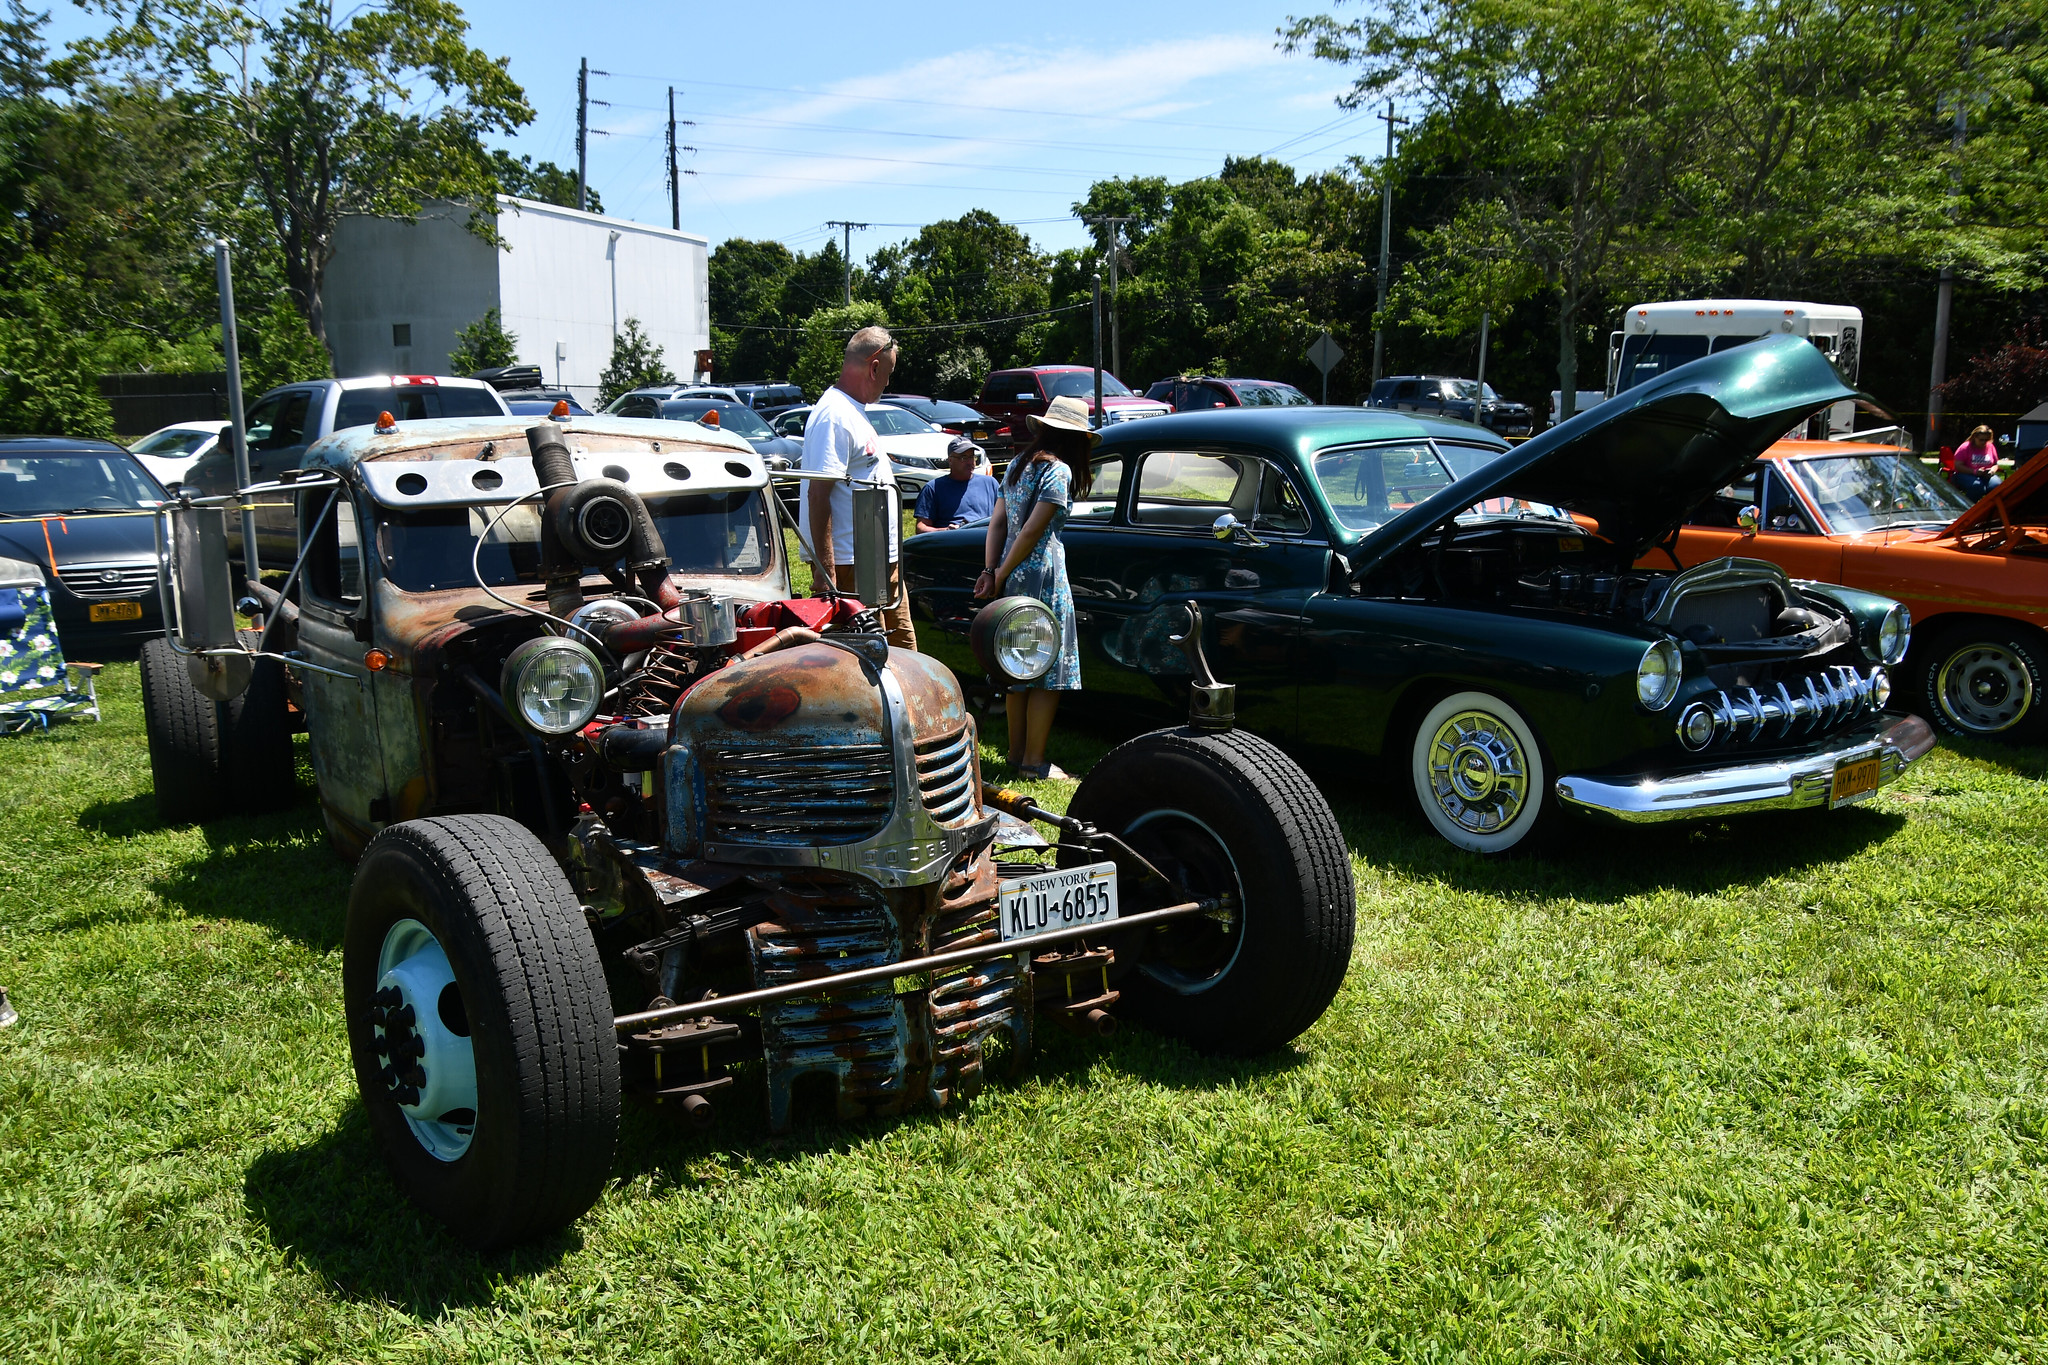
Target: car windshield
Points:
x,y
736,418
888,421
1867,492
1366,486
704,533
86,482
1468,387
173,442
1272,396
1081,384
359,407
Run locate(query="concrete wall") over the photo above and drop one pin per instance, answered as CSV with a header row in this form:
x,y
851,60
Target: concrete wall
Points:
x,y
433,276
566,277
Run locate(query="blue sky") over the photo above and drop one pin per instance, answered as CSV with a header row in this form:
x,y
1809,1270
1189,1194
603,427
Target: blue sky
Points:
x,y
903,114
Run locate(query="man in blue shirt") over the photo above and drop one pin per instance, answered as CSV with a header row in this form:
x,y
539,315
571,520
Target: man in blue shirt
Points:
x,y
959,495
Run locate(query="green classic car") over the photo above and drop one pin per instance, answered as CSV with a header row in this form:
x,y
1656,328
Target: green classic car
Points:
x,y
1384,588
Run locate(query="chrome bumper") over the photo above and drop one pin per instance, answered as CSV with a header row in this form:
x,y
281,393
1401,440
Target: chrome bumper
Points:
x,y
1785,784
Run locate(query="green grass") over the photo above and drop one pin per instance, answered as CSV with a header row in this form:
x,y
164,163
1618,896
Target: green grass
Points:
x,y
1763,1090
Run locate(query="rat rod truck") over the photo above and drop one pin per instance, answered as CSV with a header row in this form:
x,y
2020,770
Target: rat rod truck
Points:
x,y
628,818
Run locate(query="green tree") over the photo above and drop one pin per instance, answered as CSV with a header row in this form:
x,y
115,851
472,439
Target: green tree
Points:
x,y
483,345
320,110
974,280
751,336
1468,270
545,182
826,333
277,347
636,363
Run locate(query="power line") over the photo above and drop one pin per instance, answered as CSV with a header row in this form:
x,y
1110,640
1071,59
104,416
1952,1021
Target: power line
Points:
x,y
715,117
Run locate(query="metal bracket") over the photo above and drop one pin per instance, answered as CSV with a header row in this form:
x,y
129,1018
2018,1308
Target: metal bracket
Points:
x,y
1211,705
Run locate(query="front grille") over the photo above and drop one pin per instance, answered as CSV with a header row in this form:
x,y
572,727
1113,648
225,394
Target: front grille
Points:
x,y
1798,708
945,776
107,582
828,794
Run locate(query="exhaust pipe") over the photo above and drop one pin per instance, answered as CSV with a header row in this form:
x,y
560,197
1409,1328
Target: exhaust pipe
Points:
x,y
592,522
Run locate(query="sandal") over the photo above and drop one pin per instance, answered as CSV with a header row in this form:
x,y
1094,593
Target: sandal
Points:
x,y
1043,772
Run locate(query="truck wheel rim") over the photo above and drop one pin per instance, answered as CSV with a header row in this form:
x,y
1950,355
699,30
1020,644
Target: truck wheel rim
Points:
x,y
1194,954
421,1036
1985,688
1478,774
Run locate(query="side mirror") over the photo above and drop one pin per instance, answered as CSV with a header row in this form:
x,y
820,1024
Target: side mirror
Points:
x,y
1749,518
874,517
198,589
1228,527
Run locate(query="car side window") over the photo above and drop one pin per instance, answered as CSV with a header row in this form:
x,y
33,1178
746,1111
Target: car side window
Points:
x,y
1280,507
1782,511
287,427
261,419
1105,485
1406,391
334,559
1188,489
1722,509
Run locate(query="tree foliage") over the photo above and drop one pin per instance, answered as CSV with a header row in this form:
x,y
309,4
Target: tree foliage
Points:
x,y
546,183
825,335
483,345
636,363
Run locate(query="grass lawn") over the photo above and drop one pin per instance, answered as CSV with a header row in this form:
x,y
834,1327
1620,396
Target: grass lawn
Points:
x,y
1764,1090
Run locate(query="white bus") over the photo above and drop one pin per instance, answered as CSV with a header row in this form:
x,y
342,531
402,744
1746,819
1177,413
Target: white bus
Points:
x,y
1658,337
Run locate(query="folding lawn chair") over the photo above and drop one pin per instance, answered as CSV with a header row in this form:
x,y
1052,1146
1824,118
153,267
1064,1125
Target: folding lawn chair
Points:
x,y
36,685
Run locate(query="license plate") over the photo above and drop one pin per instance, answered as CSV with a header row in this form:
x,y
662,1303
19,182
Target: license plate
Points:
x,y
114,611
1854,781
1045,901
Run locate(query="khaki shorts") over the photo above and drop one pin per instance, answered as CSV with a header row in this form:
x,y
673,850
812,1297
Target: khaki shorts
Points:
x,y
896,619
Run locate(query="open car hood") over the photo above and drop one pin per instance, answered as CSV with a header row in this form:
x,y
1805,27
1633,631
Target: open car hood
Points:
x,y
2019,501
1638,463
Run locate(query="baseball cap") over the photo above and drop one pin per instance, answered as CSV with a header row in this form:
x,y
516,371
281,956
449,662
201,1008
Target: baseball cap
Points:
x,y
960,445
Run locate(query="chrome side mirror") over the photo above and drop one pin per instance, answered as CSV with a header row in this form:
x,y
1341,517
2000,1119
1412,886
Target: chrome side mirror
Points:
x,y
1749,518
1228,527
874,518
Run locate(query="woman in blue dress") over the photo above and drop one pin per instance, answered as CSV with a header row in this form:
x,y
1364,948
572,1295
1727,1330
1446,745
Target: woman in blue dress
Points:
x,y
1024,556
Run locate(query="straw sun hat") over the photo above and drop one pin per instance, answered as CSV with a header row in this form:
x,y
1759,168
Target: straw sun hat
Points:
x,y
1064,414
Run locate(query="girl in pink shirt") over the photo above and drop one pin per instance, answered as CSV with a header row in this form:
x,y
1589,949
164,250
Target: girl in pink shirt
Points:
x,y
1976,464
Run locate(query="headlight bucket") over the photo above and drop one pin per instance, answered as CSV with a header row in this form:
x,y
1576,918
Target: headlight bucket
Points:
x,y
1659,674
1895,635
552,685
1015,639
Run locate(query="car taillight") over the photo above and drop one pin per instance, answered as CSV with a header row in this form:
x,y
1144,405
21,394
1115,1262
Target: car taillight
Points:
x,y
414,379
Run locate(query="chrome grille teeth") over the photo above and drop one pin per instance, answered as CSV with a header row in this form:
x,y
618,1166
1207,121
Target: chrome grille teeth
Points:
x,y
945,776
1825,699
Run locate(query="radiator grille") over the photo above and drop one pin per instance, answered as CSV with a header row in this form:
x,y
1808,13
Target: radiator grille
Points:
x,y
945,776
107,582
830,794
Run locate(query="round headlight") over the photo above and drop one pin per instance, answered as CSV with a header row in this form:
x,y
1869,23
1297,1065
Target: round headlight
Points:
x,y
1895,634
1015,638
1659,674
1696,726
553,685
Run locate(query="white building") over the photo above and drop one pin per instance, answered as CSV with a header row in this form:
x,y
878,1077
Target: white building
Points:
x,y
564,284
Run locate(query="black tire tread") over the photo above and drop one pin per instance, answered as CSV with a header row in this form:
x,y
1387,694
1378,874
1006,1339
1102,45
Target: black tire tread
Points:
x,y
187,750
1274,782
540,949
1943,641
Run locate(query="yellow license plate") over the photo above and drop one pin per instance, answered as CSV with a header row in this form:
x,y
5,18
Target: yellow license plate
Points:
x,y
114,611
1854,782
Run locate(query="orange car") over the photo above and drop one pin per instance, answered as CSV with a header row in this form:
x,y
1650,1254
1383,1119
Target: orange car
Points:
x,y
1874,517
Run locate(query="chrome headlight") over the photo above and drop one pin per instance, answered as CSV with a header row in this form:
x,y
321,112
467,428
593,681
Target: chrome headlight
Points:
x,y
1895,634
1659,674
553,685
1880,689
1696,726
1015,638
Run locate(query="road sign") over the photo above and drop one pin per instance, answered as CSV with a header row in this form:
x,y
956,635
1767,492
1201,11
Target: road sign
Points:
x,y
1324,354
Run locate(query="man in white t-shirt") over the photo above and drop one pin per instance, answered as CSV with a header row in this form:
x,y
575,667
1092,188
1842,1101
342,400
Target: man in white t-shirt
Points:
x,y
839,440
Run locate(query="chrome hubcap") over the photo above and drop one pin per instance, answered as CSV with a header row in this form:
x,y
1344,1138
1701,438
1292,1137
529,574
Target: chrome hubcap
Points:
x,y
1985,688
1478,772
421,1035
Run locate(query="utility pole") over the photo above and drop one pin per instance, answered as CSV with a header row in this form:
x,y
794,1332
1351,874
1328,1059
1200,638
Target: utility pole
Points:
x,y
1485,317
1379,334
1945,300
584,130
1116,345
1097,295
842,223
675,180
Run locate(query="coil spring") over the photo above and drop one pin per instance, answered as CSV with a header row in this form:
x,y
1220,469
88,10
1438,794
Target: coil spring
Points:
x,y
664,673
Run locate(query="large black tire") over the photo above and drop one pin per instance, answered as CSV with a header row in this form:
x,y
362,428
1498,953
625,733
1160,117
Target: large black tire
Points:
x,y
533,995
1226,813
1984,680
209,757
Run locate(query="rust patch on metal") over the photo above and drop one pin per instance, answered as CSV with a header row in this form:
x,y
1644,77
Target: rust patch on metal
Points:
x,y
761,707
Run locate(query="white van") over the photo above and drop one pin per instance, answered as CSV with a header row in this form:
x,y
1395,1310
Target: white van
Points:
x,y
1655,338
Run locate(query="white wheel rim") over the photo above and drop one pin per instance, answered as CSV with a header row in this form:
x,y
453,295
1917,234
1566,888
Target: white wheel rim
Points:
x,y
1478,772
1985,688
418,1013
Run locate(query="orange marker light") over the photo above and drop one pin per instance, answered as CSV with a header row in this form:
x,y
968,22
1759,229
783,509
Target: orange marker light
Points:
x,y
376,661
560,409
386,422
710,418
